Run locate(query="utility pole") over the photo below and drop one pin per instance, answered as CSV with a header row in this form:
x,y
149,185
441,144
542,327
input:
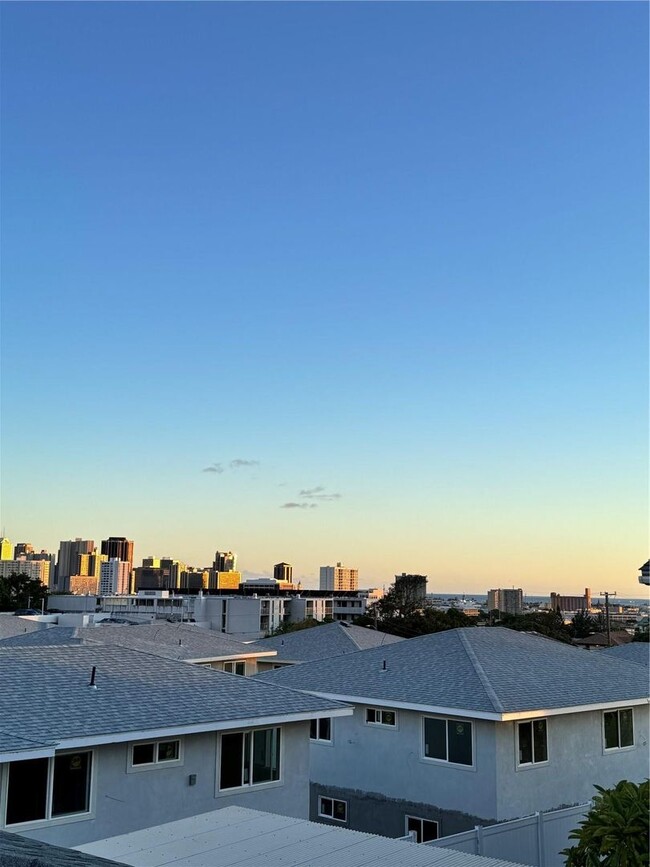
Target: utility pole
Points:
x,y
607,594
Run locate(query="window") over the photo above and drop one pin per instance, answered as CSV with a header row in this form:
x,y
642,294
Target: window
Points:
x,y
448,740
332,808
425,829
48,788
321,729
376,716
155,753
249,758
532,742
235,667
619,728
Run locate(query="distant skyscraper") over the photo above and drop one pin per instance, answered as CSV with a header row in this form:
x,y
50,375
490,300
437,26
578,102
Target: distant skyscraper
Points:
x,y
283,572
411,587
224,561
68,560
6,551
118,547
114,577
506,601
22,548
338,578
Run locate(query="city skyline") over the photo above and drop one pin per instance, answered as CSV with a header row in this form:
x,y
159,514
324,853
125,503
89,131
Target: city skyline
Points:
x,y
367,283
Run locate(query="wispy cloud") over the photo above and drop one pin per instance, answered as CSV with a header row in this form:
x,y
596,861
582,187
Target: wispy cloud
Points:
x,y
299,506
213,468
237,463
319,493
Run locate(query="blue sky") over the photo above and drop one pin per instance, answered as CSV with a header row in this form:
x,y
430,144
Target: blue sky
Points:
x,y
394,251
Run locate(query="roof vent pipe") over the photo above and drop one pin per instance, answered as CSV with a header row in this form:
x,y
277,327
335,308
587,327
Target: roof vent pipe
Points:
x,y
383,668
92,683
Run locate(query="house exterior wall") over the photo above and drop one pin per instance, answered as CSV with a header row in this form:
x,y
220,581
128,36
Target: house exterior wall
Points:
x,y
127,801
576,762
390,763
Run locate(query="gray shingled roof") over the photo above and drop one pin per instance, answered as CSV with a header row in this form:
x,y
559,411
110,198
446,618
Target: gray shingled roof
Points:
x,y
484,670
637,651
11,625
329,639
44,638
16,851
44,695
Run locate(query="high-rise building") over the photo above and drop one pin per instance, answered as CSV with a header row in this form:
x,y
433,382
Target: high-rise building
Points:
x,y
37,569
118,547
411,588
226,580
22,548
338,578
506,601
114,577
224,561
68,560
49,571
283,572
6,551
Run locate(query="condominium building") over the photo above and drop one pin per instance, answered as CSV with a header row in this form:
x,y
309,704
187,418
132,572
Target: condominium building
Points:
x,y
36,569
118,547
114,577
5,549
21,548
68,560
224,561
283,572
338,578
506,601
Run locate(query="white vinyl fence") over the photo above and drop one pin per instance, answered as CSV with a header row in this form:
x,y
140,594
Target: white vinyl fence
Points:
x,y
536,840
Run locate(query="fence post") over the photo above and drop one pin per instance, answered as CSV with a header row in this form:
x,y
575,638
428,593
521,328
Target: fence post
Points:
x,y
479,839
541,854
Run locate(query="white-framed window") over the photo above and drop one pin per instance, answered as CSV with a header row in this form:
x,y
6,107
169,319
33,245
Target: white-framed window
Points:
x,y
249,758
321,729
425,829
532,742
379,716
49,788
618,728
332,808
155,754
235,668
449,740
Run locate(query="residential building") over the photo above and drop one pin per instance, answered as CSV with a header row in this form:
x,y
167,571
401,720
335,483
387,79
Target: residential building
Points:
x,y
114,577
83,585
5,549
471,726
571,603
36,569
413,587
338,578
118,740
224,561
506,601
225,580
309,608
283,572
68,561
118,547
22,548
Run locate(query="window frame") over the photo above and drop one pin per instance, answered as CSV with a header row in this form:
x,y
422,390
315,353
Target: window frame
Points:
x,y
333,818
532,764
49,819
618,748
245,787
157,763
234,664
381,711
446,762
318,739
421,819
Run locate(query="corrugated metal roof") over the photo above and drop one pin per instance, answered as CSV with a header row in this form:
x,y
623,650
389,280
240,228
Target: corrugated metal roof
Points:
x,y
249,838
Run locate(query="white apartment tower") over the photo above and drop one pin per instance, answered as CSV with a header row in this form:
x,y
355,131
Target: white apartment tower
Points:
x,y
114,577
338,578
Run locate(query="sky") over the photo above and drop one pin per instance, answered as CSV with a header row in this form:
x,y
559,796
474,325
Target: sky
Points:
x,y
320,282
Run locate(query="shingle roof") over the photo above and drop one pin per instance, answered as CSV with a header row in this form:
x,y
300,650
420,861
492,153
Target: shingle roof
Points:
x,y
240,837
637,651
17,851
52,637
483,670
44,695
11,625
329,639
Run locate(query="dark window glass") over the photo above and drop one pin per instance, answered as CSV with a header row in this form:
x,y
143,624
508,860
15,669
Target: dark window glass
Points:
x,y
313,729
525,743
325,729
71,787
168,751
539,740
413,824
27,793
266,755
460,742
388,718
611,729
435,738
143,754
326,806
626,727
240,668
340,811
231,760
429,831
370,715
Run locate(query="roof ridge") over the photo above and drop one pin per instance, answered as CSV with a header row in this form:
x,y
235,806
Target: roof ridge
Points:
x,y
487,686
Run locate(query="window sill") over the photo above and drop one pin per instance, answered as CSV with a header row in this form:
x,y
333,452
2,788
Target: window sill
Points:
x,y
441,763
528,766
612,751
19,827
255,787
